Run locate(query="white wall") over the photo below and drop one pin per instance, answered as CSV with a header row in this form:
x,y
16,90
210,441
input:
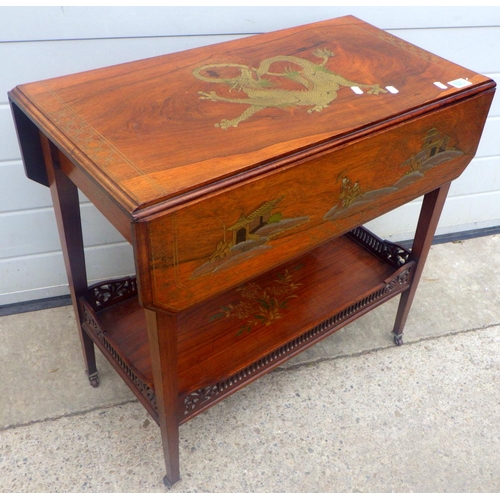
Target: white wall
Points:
x,y
43,42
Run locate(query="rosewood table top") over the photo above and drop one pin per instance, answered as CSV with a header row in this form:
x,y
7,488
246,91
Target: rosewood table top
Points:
x,y
155,129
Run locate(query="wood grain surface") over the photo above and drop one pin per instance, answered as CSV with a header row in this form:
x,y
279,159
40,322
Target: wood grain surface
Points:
x,y
234,171
214,243
144,131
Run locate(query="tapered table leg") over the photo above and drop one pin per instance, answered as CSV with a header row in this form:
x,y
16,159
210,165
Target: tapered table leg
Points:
x,y
430,212
67,211
162,336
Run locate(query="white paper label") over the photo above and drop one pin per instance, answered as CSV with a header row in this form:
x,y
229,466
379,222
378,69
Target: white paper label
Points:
x,y
392,89
459,83
356,90
440,85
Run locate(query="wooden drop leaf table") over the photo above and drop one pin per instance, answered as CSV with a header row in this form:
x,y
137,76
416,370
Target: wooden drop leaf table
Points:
x,y
241,174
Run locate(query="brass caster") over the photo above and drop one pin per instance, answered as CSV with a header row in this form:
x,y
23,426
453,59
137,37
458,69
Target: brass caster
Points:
x,y
168,483
94,379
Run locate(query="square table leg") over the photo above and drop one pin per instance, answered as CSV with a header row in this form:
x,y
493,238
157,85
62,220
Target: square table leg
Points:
x,y
162,336
67,211
430,213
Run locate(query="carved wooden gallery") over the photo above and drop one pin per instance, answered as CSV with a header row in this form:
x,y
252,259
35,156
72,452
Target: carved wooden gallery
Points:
x,y
241,174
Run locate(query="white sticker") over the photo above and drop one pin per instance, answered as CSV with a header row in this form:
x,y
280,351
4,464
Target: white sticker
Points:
x,y
459,83
356,90
392,89
440,85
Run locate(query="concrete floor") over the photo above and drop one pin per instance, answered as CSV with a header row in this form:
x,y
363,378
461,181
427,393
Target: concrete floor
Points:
x,y
352,414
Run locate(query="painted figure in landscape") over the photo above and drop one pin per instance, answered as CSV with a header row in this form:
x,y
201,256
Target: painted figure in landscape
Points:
x,y
248,236
435,150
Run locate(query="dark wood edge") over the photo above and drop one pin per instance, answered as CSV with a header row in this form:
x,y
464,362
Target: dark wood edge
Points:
x,y
29,144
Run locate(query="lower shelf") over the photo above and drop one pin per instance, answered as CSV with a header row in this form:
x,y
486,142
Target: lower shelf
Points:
x,y
119,330
231,339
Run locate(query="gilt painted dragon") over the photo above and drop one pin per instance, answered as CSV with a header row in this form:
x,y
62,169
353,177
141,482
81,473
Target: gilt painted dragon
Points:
x,y
320,85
